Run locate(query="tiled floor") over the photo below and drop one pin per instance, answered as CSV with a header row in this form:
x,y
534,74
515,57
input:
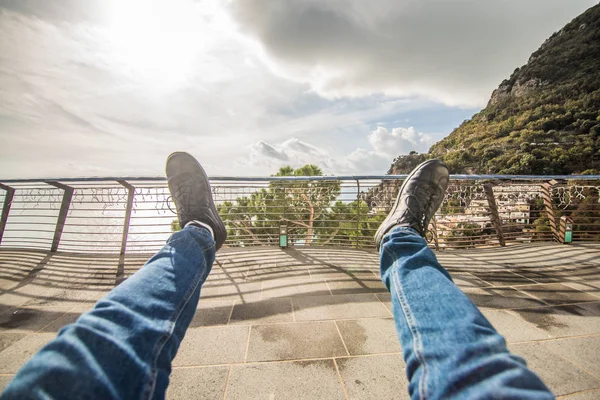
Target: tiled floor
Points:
x,y
316,322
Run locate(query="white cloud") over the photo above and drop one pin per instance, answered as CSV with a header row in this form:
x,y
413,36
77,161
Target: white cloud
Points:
x,y
455,52
399,141
385,146
262,150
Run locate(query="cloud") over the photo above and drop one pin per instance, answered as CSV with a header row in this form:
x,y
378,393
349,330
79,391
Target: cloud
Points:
x,y
261,150
454,52
399,141
290,152
385,146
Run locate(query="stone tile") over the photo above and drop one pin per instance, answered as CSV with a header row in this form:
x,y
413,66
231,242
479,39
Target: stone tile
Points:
x,y
213,345
263,311
374,377
513,328
502,278
586,395
342,257
594,308
30,319
550,276
304,285
386,299
294,341
501,298
345,306
9,301
559,375
584,352
564,320
262,273
332,272
369,336
92,296
557,293
212,313
285,380
586,272
358,282
7,339
14,356
4,381
223,276
592,282
197,383
465,280
245,291
589,287
67,318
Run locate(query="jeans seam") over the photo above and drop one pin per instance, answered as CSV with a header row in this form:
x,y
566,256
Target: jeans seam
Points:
x,y
418,345
165,337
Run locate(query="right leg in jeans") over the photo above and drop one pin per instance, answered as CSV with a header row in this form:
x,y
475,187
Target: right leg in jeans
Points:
x,y
450,349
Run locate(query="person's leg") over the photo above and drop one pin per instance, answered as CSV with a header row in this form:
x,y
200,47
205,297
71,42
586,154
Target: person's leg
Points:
x,y
450,349
123,347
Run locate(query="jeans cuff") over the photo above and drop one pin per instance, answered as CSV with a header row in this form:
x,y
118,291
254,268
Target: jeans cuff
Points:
x,y
403,229
198,230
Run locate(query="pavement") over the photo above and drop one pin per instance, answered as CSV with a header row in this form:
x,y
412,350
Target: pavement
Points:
x,y
311,323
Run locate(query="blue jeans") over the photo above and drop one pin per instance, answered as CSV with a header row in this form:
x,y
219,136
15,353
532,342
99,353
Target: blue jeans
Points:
x,y
450,348
123,348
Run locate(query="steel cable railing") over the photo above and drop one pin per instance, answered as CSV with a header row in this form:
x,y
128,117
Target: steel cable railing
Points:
x,y
118,214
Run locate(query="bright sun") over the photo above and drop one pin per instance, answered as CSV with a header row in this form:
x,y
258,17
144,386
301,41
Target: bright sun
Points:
x,y
156,40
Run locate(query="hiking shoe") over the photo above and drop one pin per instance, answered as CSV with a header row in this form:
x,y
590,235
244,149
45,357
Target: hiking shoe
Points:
x,y
191,194
418,199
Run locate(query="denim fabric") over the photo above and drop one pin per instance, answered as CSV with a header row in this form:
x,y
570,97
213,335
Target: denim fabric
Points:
x,y
450,349
123,348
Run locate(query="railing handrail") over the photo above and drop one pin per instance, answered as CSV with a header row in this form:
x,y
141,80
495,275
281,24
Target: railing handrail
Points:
x,y
480,210
307,178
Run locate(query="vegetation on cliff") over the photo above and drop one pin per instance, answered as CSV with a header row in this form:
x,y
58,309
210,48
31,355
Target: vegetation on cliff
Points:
x,y
544,119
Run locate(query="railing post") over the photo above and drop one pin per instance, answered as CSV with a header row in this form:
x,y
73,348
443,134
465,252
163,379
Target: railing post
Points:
x,y
436,241
496,220
62,215
357,212
284,214
127,220
549,206
10,192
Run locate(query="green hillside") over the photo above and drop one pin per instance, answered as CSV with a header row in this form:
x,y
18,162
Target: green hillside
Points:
x,y
544,119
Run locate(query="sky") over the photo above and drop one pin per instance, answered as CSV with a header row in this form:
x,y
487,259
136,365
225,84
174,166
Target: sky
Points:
x,y
112,87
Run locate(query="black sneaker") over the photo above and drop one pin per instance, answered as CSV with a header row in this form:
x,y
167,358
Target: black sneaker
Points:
x,y
418,199
191,194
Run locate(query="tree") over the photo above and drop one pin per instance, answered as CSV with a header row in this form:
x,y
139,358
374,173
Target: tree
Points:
x,y
304,205
312,210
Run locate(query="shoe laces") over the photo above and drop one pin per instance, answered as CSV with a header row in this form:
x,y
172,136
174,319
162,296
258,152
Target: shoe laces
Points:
x,y
423,209
181,198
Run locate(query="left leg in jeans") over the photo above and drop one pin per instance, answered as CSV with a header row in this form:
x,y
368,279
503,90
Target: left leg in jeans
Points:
x,y
123,347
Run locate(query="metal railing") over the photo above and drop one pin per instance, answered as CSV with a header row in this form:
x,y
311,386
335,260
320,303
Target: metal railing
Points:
x,y
119,214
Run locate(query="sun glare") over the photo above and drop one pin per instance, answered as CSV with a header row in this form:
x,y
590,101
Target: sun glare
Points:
x,y
156,40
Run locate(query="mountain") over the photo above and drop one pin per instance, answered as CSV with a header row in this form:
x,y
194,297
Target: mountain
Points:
x,y
544,119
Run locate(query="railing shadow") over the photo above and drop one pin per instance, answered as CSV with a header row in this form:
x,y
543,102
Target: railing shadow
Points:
x,y
38,286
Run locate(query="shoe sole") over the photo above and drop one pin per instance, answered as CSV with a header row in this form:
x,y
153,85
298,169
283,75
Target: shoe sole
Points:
x,y
384,223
